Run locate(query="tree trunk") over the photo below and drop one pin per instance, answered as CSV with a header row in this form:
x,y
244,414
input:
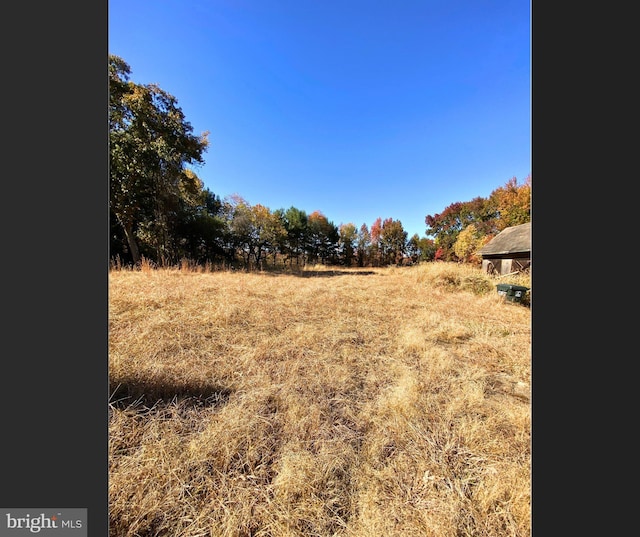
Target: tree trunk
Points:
x,y
133,245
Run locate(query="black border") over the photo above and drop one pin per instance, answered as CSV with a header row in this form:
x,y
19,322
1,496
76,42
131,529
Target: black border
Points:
x,y
570,186
546,510
54,392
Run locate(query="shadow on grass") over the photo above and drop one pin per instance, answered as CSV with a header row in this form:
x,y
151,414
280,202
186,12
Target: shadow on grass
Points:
x,y
147,395
317,273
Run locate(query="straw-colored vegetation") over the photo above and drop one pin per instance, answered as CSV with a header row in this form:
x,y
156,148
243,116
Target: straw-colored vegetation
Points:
x,y
372,402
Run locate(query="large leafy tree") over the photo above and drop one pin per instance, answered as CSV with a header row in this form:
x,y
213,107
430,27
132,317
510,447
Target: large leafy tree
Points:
x,y
469,241
279,236
509,205
413,248
322,238
376,241
296,224
363,245
393,240
513,203
151,146
446,226
237,216
420,248
266,231
273,233
199,233
347,241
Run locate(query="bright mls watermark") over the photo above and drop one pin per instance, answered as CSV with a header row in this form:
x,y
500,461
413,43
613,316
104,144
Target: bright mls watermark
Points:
x,y
48,522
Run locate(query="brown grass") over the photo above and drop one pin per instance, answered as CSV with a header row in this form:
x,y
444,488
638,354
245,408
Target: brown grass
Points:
x,y
385,402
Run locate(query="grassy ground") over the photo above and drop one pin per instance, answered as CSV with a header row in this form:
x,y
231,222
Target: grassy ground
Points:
x,y
381,402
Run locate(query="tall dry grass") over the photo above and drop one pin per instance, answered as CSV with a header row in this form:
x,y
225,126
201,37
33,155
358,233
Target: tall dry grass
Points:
x,y
382,402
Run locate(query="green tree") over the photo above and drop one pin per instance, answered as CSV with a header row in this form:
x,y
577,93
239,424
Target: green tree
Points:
x,y
199,232
240,224
266,231
279,239
363,246
322,238
151,146
296,224
393,240
348,237
426,249
420,248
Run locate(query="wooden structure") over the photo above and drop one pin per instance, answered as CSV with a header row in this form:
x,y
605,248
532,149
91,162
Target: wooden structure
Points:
x,y
508,252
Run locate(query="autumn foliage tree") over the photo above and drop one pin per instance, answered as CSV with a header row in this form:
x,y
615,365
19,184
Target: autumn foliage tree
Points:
x,y
469,241
445,227
513,203
151,146
507,206
159,208
255,231
376,242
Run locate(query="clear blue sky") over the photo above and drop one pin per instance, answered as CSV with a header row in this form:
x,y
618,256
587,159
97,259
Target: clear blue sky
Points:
x,y
358,109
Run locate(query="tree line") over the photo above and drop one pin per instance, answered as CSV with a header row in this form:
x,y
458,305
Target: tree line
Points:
x,y
160,210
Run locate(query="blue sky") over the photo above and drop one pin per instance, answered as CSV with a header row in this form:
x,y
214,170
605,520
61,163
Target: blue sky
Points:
x,y
391,109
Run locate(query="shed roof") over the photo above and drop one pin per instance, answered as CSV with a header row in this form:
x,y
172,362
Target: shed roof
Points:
x,y
510,240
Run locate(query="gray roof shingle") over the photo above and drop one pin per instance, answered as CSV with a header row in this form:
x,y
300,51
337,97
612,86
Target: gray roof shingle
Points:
x,y
515,239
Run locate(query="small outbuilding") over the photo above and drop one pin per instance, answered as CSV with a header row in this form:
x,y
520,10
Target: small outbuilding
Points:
x,y
508,252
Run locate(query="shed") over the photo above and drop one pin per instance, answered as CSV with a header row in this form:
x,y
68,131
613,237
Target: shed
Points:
x,y
508,252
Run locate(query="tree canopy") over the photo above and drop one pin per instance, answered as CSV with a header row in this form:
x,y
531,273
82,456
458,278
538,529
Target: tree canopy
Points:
x,y
161,211
151,145
507,206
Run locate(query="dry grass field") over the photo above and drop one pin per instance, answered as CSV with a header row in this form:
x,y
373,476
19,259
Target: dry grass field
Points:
x,y
373,402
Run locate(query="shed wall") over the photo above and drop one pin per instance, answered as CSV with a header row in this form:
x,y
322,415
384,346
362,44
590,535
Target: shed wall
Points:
x,y
501,266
